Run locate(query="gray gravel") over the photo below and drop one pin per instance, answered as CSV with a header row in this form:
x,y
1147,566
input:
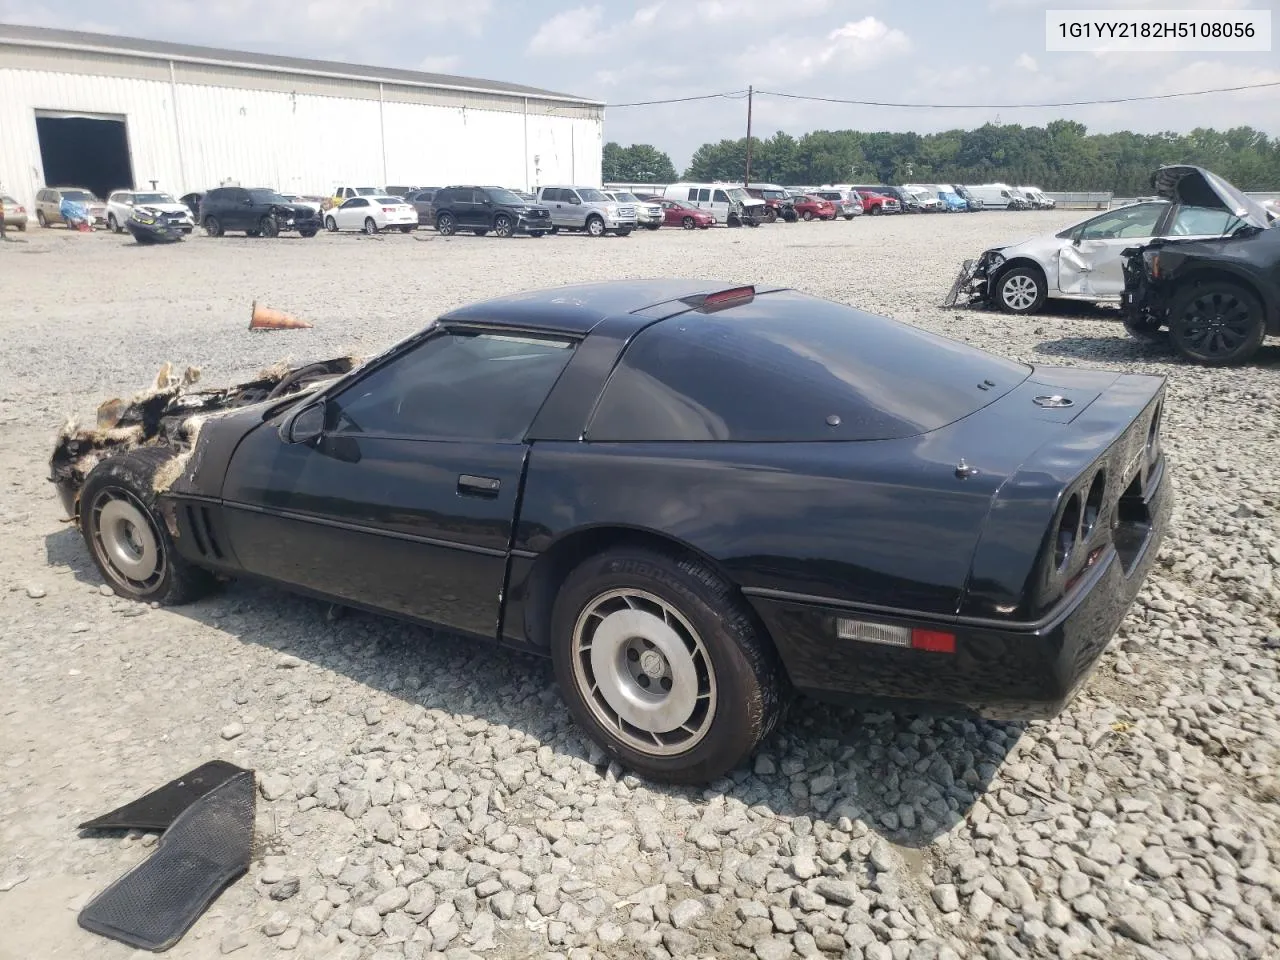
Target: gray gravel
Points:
x,y
424,797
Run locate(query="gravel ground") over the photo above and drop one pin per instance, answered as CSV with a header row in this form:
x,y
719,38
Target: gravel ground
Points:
x,y
421,797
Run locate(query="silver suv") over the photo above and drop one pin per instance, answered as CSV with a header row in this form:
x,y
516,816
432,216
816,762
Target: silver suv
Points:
x,y
586,208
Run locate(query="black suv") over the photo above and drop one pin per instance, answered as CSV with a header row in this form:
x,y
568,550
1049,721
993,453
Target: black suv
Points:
x,y
257,211
481,209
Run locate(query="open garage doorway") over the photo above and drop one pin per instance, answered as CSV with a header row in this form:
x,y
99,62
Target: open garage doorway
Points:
x,y
84,150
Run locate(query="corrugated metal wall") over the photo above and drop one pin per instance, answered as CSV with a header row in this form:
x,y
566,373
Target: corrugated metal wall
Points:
x,y
296,142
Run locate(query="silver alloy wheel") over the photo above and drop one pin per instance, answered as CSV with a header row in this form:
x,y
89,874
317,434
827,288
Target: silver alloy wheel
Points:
x,y
595,227
126,540
644,672
1019,293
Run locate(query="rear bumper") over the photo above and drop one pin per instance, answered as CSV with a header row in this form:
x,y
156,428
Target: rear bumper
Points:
x,y
1011,671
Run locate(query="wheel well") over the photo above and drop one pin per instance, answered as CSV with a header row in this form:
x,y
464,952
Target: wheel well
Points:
x,y
552,567
1270,313
1020,262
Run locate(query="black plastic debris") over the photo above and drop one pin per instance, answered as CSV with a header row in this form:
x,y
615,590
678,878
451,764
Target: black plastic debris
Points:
x,y
207,847
159,808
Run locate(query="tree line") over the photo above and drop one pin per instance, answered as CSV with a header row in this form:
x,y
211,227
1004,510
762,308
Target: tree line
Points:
x,y
1060,156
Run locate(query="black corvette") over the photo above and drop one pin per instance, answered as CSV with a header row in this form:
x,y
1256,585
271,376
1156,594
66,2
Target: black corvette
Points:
x,y
1219,297
693,498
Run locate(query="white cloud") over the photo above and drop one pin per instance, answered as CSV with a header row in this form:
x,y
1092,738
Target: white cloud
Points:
x,y
858,45
1026,62
757,11
569,32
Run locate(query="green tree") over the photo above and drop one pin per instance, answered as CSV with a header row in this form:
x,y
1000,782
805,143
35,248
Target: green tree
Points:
x,y
638,163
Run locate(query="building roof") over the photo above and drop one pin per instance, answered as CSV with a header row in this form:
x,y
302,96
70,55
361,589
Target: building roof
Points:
x,y
72,40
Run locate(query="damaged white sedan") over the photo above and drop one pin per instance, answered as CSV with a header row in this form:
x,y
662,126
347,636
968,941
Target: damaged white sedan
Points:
x,y
1084,261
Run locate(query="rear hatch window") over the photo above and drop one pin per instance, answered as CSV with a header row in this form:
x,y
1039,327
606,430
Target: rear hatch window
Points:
x,y
789,367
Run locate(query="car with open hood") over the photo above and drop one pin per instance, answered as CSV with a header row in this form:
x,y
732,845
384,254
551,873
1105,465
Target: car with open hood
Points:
x,y
1217,295
692,496
778,202
1085,260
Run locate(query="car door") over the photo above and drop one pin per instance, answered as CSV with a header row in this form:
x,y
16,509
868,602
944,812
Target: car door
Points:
x,y
1089,261
351,215
402,493
237,210
466,210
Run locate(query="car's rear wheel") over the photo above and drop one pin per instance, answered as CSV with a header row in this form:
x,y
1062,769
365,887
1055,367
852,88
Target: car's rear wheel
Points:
x,y
502,226
1217,324
595,226
370,226
42,219
1021,290
663,664
126,536
212,226
688,223
771,215
446,226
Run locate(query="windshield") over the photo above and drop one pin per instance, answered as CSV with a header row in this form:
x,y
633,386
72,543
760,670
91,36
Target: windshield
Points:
x,y
774,194
592,196
266,196
153,198
366,191
626,197
503,195
737,193
78,196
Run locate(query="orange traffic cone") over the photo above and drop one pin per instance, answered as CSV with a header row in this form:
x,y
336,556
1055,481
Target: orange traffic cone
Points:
x,y
265,318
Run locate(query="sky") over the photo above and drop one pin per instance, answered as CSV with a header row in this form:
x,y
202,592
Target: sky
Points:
x,y
922,51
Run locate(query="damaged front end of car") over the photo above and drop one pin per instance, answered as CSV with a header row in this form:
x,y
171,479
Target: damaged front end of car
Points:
x,y
170,414
973,285
1144,304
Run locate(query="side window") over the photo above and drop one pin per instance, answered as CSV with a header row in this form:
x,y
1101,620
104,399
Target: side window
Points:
x,y
570,196
215,195
1136,221
704,195
721,197
1202,222
693,193
455,386
239,195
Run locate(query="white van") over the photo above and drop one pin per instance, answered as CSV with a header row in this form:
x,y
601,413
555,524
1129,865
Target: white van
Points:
x,y
996,196
1035,196
728,202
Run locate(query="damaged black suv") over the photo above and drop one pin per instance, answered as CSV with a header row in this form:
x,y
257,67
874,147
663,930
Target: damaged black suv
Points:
x,y
1219,296
259,212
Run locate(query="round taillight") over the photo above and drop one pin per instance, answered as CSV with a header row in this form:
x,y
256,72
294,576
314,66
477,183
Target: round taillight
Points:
x,y
1068,532
1093,502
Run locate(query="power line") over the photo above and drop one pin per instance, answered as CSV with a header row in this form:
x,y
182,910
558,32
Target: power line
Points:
x,y
742,94
732,95
1019,106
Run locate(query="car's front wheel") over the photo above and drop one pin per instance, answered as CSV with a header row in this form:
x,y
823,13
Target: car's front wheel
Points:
x,y
503,226
127,537
663,664
1217,324
1021,290
595,226
688,223
212,227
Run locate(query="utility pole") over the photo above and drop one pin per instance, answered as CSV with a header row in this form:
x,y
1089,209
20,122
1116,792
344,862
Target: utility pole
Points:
x,y
746,180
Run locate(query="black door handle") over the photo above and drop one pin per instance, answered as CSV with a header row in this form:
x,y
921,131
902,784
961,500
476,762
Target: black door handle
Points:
x,y
471,486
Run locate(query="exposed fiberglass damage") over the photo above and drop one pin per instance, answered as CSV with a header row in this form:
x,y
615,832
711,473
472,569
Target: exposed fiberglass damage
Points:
x,y
170,414
1070,269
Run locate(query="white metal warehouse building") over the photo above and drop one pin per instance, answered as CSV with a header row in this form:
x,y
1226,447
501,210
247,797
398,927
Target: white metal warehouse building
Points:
x,y
104,112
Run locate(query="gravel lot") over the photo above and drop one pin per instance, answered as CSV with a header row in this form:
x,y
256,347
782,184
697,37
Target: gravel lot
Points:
x,y
422,797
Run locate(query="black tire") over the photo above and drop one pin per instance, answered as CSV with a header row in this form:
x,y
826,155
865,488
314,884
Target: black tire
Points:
x,y
595,226
848,216
808,215
688,223
212,227
406,229
876,211
729,649
790,216
446,226
652,226
307,234
771,215
1216,324
1021,291
331,224
370,226
269,227
121,489
42,220
503,226
113,224
733,221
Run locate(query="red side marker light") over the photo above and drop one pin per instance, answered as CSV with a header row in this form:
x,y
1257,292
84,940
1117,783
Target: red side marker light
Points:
x,y
937,641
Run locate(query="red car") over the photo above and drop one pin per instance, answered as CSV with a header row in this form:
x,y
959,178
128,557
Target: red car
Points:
x,y
676,214
878,203
815,208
